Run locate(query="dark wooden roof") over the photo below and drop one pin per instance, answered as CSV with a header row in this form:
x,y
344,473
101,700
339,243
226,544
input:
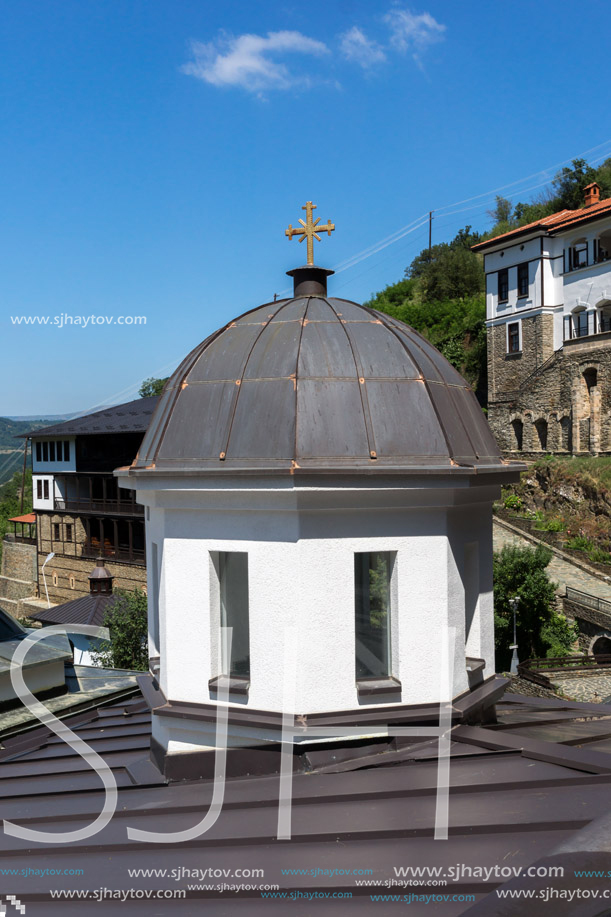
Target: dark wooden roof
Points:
x,y
132,417
317,384
518,789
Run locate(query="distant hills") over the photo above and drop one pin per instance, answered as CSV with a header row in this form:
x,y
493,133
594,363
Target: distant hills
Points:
x,y
11,449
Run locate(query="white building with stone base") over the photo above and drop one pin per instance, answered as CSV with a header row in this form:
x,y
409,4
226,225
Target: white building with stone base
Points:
x,y
548,316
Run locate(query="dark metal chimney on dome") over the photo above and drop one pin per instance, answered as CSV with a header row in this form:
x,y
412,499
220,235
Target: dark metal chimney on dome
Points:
x,y
309,280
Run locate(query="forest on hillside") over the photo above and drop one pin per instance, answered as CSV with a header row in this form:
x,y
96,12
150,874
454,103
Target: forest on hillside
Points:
x,y
11,503
11,447
442,292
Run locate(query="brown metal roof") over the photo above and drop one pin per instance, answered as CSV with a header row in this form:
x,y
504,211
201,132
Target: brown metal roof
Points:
x,y
317,384
514,797
89,609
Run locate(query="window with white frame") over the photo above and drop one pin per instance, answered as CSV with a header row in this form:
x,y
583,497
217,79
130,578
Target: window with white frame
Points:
x,y
578,254
514,344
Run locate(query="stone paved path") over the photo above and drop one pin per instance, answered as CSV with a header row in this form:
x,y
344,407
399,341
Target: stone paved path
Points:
x,y
561,571
593,689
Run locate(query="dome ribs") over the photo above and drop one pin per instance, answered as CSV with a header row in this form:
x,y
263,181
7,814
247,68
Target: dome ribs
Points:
x,y
317,385
451,452
362,385
239,381
298,356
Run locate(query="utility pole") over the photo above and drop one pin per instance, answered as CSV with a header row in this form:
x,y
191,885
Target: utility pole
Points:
x,y
430,231
25,459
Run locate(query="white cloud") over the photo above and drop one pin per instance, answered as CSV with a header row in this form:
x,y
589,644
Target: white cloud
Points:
x,y
247,61
355,46
413,31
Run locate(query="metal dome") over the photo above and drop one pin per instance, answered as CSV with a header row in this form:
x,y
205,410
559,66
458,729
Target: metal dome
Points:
x,y
317,384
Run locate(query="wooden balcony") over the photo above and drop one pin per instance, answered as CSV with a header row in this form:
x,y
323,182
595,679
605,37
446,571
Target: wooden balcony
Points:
x,y
100,507
119,552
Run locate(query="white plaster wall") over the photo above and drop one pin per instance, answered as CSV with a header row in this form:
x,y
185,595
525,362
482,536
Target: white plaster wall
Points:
x,y
53,490
587,286
47,466
301,575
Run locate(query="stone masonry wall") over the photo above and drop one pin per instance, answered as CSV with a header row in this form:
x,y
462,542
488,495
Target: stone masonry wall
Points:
x,y
18,577
67,573
564,407
508,371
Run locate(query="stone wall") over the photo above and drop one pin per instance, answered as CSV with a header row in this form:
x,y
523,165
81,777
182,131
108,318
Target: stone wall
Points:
x,y
508,371
591,623
18,577
67,573
562,406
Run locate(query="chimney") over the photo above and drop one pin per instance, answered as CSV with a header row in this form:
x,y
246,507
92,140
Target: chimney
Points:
x,y
592,194
100,579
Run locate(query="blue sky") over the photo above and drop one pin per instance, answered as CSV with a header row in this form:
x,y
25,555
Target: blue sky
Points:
x,y
152,154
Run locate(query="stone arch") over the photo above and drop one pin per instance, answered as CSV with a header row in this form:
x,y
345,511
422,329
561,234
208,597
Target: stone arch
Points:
x,y
586,408
541,430
517,427
566,434
601,644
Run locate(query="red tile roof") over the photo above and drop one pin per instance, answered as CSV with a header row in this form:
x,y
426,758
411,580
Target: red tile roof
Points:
x,y
552,223
29,517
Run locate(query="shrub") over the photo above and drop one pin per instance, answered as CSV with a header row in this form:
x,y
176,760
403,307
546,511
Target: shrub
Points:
x,y
512,502
522,572
559,635
550,525
127,623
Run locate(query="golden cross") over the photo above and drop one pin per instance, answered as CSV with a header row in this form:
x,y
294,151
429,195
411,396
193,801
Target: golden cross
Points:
x,y
309,230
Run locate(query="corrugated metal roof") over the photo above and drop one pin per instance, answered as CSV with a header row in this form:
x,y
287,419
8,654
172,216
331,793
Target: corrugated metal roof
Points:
x,y
319,384
131,417
89,609
517,791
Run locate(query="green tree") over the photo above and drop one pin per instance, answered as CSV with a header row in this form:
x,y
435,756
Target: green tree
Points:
x,y
569,183
127,622
522,572
10,501
152,386
559,635
449,270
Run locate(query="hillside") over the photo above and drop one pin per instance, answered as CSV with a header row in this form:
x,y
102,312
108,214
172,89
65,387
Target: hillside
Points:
x,y
10,501
11,448
565,500
442,292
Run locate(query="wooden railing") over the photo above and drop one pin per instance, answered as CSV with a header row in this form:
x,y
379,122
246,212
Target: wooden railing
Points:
x,y
105,507
119,552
